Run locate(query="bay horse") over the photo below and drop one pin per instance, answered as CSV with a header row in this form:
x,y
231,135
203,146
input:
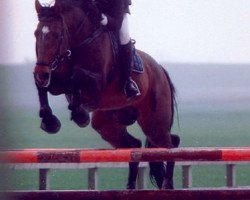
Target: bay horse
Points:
x,y
51,78
74,27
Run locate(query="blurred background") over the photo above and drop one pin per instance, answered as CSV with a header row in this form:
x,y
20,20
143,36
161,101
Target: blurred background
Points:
x,y
204,45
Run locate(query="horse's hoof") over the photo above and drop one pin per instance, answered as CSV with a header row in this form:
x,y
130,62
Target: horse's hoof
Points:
x,y
50,124
81,117
167,185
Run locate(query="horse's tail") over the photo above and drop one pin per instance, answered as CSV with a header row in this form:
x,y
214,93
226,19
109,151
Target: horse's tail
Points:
x,y
173,94
157,170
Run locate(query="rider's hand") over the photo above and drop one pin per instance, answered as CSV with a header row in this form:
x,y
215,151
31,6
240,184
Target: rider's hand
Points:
x,y
104,20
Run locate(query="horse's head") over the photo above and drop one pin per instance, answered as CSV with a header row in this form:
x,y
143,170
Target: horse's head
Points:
x,y
52,40
67,19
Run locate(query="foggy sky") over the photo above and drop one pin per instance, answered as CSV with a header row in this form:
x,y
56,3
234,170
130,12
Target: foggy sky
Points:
x,y
172,31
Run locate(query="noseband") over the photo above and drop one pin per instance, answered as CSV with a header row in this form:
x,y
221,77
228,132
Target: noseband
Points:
x,y
60,58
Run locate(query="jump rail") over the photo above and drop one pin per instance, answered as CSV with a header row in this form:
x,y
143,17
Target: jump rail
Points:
x,y
209,194
35,156
123,155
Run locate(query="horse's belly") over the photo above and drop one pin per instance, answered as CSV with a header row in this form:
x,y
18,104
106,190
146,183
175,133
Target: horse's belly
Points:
x,y
114,98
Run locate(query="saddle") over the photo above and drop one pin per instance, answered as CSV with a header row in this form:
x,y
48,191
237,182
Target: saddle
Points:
x,y
137,61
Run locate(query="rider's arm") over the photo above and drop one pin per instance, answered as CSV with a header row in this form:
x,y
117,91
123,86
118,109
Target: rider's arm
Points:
x,y
113,24
114,17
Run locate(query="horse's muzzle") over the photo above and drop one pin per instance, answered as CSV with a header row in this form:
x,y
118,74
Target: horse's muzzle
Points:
x,y
42,76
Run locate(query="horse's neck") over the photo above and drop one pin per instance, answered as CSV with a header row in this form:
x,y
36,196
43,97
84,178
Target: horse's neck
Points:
x,y
78,24
95,55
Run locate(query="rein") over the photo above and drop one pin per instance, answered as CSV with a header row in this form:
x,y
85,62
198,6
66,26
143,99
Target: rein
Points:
x,y
66,55
61,58
92,37
63,55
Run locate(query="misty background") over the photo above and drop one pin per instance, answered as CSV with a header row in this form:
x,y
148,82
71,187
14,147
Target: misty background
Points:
x,y
204,45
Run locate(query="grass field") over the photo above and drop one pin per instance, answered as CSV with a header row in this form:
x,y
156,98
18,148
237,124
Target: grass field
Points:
x,y
196,129
199,125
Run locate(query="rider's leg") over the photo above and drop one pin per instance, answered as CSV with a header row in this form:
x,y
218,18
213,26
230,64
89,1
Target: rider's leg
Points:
x,y
126,57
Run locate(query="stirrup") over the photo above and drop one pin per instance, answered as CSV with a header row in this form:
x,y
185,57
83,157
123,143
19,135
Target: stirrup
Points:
x,y
136,89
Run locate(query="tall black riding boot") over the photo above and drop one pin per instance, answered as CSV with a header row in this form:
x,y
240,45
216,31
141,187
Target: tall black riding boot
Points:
x,y
126,57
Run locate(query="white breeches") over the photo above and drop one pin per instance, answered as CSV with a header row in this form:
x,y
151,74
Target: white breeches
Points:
x,y
124,31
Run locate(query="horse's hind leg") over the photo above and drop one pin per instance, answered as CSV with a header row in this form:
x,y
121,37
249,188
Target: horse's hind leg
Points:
x,y
115,133
158,170
168,183
156,123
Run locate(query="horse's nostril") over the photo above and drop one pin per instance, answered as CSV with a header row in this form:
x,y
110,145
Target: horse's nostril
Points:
x,y
42,79
37,77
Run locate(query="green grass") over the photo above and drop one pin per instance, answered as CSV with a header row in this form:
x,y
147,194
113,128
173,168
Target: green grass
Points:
x,y
197,129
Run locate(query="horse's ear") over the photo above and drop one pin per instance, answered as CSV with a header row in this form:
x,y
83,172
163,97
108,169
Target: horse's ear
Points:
x,y
38,6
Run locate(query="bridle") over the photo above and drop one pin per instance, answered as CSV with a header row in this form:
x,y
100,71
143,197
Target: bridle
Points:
x,y
65,55
97,32
62,55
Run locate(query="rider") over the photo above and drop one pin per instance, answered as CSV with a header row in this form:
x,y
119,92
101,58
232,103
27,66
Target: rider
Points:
x,y
115,18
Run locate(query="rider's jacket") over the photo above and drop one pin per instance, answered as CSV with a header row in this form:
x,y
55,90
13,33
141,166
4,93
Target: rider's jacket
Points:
x,y
114,10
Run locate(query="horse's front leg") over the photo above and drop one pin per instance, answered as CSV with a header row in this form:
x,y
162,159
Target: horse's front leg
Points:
x,y
50,122
78,113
